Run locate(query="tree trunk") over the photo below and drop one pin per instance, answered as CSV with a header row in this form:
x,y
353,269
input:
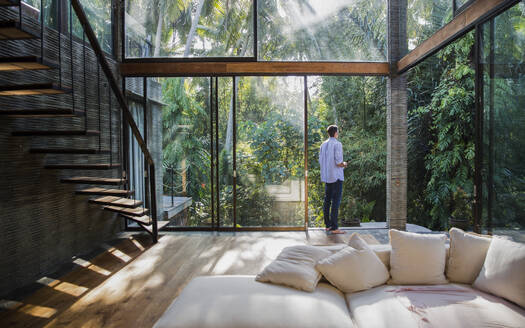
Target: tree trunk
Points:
x,y
193,29
158,35
334,109
229,127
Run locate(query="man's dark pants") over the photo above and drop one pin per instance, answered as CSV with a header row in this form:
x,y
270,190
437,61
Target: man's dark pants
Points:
x,y
332,199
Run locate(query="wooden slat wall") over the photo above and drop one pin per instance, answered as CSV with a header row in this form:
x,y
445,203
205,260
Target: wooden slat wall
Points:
x,y
43,223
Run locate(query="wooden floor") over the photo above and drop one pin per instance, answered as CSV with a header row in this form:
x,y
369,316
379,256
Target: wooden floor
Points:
x,y
132,283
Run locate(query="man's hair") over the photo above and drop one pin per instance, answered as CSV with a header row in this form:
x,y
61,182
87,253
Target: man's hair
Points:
x,y
332,129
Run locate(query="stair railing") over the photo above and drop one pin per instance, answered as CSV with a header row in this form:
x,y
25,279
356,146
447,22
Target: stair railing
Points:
x,y
126,114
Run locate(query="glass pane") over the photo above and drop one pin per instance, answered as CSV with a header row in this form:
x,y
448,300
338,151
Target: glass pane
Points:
x,y
441,138
99,16
186,150
135,174
460,3
33,3
225,152
331,30
196,28
424,18
357,106
504,117
136,157
270,151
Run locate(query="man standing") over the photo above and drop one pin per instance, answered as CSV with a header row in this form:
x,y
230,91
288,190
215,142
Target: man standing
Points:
x,y
332,174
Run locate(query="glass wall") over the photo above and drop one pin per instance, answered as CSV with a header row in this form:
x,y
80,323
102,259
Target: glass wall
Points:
x,y
226,125
312,30
196,28
357,105
270,151
187,150
503,73
459,3
441,111
234,151
424,18
318,30
98,12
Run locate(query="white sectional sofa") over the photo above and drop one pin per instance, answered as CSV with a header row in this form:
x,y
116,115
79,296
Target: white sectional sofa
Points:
x,y
241,301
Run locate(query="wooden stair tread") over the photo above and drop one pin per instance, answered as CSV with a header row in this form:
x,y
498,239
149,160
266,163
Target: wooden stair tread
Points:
x,y
104,166
149,228
12,30
6,3
56,133
94,180
47,88
43,113
67,151
117,201
104,191
142,220
24,63
139,211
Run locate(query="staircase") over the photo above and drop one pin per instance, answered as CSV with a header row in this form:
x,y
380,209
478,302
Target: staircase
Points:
x,y
102,179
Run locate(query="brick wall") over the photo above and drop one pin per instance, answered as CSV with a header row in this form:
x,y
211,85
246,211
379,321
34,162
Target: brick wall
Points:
x,y
396,182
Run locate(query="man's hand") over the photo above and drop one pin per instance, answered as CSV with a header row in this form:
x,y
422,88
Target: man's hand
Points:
x,y
342,164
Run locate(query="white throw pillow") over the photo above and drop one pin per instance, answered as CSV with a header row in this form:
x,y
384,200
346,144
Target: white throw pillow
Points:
x,y
295,267
355,241
503,273
467,254
352,270
417,258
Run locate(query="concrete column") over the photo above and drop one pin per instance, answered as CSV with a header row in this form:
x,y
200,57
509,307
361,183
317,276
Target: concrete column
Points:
x,y
396,170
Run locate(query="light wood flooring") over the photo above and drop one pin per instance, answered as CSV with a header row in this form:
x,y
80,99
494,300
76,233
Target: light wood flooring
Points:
x,y
132,283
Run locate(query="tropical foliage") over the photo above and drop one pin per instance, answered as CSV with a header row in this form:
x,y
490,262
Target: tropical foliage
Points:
x,y
287,30
269,129
441,135
441,129
268,125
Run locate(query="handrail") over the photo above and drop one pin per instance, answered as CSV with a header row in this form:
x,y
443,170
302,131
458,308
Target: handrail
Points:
x,y
88,30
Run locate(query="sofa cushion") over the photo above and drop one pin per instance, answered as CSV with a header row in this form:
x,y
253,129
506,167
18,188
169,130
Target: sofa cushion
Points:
x,y
503,272
450,305
295,267
240,301
357,242
467,254
381,250
383,253
353,270
417,258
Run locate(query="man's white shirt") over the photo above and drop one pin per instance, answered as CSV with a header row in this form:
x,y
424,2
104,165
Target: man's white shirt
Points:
x,y
330,155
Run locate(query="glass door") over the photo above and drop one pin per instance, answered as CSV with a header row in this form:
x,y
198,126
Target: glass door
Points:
x,y
234,151
269,152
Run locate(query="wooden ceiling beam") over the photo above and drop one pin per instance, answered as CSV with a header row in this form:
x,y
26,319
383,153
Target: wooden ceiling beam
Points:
x,y
152,68
474,14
